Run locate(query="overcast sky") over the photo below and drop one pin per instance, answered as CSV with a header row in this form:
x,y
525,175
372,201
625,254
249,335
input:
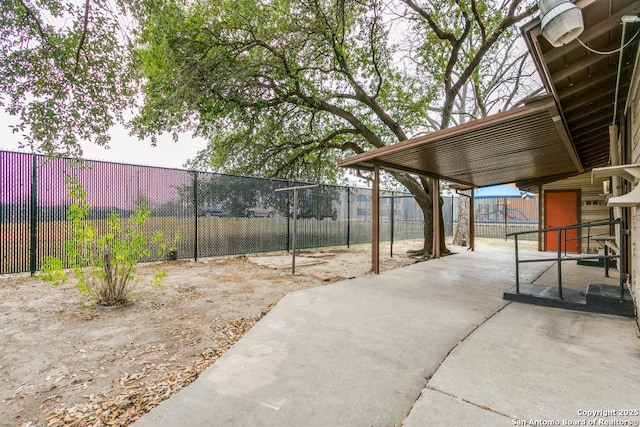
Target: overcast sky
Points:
x,y
123,148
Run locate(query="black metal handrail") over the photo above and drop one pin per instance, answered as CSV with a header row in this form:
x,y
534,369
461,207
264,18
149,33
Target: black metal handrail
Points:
x,y
589,236
562,231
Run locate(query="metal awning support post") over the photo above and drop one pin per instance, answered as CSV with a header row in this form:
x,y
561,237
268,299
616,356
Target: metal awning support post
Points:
x,y
294,235
472,222
375,228
517,265
540,221
435,197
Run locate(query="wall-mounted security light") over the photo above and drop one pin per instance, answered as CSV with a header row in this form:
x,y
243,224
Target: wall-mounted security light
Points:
x,y
561,21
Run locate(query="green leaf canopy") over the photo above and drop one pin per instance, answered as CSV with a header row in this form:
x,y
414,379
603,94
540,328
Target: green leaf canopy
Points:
x,y
282,88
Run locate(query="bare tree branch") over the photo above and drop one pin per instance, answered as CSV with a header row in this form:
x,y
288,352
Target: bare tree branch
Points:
x,y
84,34
432,24
35,19
313,145
476,15
374,59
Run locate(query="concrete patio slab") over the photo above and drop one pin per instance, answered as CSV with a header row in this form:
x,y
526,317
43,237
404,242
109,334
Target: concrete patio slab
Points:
x,y
435,408
432,344
354,353
537,363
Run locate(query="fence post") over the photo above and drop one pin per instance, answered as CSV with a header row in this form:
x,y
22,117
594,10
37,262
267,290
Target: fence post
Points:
x,y
195,215
506,212
393,202
33,214
289,213
453,213
348,216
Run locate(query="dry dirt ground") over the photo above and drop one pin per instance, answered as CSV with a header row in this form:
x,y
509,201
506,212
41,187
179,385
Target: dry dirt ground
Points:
x,y
65,362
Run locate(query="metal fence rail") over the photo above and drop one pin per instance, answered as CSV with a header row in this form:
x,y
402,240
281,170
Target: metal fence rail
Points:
x,y
213,214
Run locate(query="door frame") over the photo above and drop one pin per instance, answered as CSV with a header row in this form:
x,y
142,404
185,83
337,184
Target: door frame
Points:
x,y
578,193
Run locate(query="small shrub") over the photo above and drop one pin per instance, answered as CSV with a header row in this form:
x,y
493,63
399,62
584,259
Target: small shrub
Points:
x,y
104,264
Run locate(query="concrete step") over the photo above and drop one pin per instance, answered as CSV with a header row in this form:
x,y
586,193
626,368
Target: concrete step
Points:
x,y
599,262
604,298
598,298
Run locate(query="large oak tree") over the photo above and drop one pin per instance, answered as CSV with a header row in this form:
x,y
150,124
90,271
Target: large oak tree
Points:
x,y
280,88
287,88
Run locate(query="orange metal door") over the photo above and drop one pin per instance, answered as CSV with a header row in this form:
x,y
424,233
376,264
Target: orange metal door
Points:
x,y
561,209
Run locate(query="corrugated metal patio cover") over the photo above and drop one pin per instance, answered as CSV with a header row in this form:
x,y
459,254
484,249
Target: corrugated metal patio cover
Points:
x,y
527,143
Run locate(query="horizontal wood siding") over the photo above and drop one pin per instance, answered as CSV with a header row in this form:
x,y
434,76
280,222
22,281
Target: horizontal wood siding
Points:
x,y
633,118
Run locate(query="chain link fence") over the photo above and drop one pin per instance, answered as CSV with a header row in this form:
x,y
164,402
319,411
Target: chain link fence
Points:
x,y
495,217
211,214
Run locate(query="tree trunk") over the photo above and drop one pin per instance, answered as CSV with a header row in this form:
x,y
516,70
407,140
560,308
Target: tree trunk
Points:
x,y
463,230
422,192
427,214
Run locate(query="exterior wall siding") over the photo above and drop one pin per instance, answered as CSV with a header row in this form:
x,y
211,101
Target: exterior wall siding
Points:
x,y
633,115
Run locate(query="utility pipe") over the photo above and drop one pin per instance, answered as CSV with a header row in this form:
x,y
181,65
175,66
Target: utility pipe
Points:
x,y
616,182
